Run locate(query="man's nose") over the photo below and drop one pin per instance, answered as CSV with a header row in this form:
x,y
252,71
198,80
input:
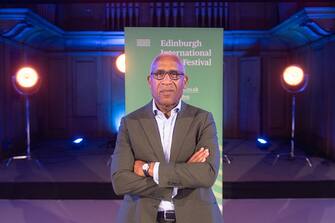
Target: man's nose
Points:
x,y
166,79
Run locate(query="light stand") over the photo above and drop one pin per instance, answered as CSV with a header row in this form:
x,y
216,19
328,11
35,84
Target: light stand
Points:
x,y
293,81
27,85
291,155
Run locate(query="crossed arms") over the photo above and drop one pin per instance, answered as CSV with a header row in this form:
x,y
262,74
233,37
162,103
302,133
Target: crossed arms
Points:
x,y
198,157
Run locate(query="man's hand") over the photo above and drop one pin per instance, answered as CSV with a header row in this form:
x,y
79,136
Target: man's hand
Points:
x,y
138,168
200,156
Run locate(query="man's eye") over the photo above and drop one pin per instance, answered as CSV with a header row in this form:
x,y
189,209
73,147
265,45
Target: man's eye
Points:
x,y
174,74
160,73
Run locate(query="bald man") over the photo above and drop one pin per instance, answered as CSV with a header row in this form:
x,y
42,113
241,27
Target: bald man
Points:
x,y
167,158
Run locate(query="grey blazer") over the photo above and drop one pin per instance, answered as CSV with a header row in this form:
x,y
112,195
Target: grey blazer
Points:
x,y
138,139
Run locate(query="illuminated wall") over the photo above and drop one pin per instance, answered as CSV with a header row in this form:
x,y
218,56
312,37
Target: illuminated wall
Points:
x,y
83,93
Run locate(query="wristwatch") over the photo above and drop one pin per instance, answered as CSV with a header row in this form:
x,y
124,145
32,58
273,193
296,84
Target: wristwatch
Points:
x,y
145,169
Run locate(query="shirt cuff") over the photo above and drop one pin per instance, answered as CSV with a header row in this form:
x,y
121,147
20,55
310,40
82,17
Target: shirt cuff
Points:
x,y
155,176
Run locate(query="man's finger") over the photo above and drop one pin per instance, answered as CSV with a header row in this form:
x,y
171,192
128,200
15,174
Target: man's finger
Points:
x,y
202,158
196,155
199,156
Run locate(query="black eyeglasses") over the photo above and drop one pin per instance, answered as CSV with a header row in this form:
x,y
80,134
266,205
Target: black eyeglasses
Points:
x,y
173,74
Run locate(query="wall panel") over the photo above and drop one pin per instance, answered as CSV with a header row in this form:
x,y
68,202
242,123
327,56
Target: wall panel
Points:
x,y
275,100
315,106
104,81
231,97
57,95
330,97
14,103
84,95
2,95
249,90
85,87
317,102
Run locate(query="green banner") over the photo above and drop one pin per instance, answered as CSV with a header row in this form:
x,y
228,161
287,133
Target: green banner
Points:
x,y
202,52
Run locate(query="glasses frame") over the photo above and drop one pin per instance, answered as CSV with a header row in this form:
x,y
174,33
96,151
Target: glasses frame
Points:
x,y
169,72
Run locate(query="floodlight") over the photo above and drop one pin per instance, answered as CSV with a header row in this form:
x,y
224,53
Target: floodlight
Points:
x,y
294,80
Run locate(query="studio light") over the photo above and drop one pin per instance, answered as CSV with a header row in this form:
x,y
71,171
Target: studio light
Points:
x,y
26,82
78,140
27,77
293,75
294,80
262,142
121,63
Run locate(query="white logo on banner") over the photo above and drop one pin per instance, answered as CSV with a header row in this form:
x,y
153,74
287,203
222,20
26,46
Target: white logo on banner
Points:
x,y
143,42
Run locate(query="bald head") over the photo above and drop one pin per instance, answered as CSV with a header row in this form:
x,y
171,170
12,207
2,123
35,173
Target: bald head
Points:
x,y
168,56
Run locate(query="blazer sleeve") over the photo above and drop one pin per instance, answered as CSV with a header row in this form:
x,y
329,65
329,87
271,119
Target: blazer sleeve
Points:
x,y
194,175
124,180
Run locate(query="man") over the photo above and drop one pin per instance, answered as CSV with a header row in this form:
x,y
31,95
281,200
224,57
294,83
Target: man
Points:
x,y
167,157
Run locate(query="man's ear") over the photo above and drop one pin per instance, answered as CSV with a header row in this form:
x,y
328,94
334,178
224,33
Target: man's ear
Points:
x,y
149,80
185,81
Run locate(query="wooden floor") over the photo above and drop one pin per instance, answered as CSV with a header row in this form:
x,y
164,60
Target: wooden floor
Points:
x,y
72,184
253,173
250,163
65,171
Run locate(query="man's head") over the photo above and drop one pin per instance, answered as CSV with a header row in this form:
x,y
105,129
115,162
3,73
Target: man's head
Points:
x,y
167,80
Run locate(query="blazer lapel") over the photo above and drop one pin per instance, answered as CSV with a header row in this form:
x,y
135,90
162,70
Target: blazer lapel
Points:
x,y
151,131
181,127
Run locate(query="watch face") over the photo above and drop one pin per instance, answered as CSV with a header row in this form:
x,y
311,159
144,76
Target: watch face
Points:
x,y
145,166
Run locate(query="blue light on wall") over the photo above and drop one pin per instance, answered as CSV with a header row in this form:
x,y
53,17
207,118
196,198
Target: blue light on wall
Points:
x,y
117,120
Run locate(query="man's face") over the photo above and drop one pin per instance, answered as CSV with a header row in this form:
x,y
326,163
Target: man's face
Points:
x,y
167,92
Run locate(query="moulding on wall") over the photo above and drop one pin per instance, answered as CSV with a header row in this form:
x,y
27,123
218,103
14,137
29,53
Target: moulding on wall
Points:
x,y
307,26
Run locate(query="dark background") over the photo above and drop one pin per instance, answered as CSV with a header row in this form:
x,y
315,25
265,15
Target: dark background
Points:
x,y
82,93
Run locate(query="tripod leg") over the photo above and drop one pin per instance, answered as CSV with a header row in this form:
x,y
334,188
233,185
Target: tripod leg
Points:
x,y
308,161
227,159
9,161
38,163
276,159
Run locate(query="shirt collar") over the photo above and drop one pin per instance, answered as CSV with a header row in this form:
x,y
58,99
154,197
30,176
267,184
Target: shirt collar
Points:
x,y
155,110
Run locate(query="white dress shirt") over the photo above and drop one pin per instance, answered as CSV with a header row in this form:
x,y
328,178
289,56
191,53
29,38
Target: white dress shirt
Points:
x,y
165,127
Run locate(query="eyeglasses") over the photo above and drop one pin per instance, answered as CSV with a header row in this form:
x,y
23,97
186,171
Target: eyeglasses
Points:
x,y
173,74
